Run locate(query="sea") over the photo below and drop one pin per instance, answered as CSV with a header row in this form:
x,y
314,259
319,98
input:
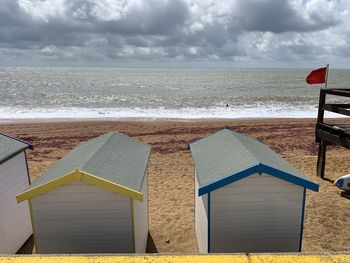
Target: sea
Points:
x,y
149,93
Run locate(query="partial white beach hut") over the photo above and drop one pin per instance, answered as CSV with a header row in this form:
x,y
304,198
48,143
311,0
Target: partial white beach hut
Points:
x,y
94,200
15,226
247,198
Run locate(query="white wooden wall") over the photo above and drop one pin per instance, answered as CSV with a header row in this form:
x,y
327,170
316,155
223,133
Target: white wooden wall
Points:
x,y
256,214
15,226
141,220
82,218
201,219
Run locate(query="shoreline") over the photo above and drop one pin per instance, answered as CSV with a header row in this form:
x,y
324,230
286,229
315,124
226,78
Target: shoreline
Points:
x,y
141,119
8,114
163,120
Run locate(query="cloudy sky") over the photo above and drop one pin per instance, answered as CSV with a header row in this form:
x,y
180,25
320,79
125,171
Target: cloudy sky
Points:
x,y
218,33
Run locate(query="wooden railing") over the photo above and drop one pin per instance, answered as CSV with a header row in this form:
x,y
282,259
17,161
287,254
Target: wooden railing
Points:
x,y
331,134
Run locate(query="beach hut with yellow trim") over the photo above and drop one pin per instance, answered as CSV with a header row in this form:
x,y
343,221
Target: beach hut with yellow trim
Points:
x,y
247,197
93,200
15,226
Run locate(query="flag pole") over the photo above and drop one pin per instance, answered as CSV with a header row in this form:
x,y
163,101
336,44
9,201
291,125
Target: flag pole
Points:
x,y
325,84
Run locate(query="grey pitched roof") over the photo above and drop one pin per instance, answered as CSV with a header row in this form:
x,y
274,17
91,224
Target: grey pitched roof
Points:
x,y
10,146
227,153
114,157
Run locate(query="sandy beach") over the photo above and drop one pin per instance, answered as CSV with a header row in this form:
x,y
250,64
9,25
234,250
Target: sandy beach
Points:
x,y
171,172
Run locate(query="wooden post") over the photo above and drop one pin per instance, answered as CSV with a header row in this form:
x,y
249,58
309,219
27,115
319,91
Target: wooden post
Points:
x,y
321,159
326,77
320,116
322,145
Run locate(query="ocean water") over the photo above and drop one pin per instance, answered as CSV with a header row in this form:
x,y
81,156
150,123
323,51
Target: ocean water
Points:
x,y
31,93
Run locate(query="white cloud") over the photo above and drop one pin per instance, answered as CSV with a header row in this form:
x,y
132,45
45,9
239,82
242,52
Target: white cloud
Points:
x,y
193,51
43,10
109,10
195,27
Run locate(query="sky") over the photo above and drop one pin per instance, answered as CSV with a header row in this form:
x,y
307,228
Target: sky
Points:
x,y
175,33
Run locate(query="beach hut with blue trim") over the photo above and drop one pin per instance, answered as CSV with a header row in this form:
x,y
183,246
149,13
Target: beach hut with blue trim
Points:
x,y
247,197
93,200
15,226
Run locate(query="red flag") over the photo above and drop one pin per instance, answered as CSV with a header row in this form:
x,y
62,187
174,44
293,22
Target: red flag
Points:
x,y
317,76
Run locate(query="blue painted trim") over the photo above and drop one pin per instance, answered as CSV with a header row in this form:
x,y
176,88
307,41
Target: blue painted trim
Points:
x,y
209,222
258,168
25,157
227,180
302,220
30,146
290,178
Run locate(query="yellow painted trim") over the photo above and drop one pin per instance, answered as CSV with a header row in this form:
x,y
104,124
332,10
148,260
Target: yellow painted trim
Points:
x,y
133,224
33,228
113,187
297,258
79,175
146,258
41,189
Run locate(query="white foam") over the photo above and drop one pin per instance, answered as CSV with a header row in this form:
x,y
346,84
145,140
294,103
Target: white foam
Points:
x,y
282,111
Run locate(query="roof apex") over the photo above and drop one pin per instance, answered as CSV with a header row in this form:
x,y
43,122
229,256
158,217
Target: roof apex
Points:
x,y
112,156
11,146
227,153
30,146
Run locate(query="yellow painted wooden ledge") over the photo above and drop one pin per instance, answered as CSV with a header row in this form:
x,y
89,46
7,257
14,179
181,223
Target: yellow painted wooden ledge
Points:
x,y
338,258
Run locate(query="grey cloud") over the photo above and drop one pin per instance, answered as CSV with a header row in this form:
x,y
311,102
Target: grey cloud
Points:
x,y
12,20
20,30
343,50
11,15
151,18
157,31
276,16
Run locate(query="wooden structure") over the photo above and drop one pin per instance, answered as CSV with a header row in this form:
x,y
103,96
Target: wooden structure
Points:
x,y
331,134
93,200
247,197
15,227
